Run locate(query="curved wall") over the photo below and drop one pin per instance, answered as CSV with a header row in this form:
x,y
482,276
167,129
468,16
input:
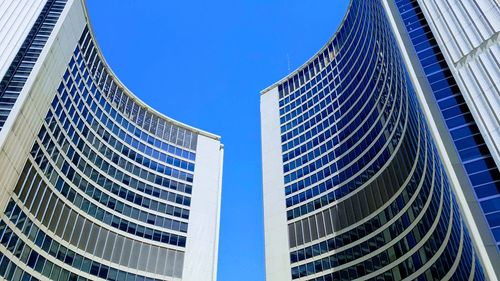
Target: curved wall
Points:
x,y
365,191
110,188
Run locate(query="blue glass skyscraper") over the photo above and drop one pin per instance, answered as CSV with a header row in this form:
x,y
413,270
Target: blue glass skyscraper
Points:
x,y
356,184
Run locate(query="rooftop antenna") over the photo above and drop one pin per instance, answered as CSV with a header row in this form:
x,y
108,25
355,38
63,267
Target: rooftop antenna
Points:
x,y
288,60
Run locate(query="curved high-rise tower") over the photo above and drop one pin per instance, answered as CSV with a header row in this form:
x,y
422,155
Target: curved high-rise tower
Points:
x,y
355,187
94,184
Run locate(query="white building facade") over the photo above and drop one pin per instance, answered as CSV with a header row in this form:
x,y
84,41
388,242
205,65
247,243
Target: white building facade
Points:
x,y
94,184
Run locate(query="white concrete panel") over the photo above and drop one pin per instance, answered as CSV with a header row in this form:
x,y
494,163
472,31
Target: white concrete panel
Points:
x,y
468,32
275,224
200,262
26,117
16,19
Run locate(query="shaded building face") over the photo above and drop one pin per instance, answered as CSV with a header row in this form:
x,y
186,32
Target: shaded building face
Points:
x,y
353,181
101,186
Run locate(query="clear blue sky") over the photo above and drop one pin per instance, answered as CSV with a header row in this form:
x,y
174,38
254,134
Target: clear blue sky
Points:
x,y
204,64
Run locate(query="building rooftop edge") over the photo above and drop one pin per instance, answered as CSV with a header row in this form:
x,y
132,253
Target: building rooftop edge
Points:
x,y
306,63
131,94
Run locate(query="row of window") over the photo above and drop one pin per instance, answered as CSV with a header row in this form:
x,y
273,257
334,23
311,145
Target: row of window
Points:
x,y
342,140
403,209
336,123
339,91
57,182
343,186
28,187
362,131
333,134
287,89
340,60
72,115
88,236
437,239
361,205
435,271
78,144
358,80
370,138
96,104
66,152
130,130
45,243
66,167
10,271
129,106
397,235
